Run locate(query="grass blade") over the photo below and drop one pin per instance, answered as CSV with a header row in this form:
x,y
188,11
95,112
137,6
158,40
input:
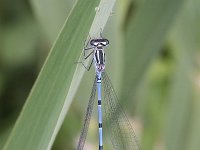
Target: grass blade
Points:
x,y
51,15
144,35
182,131
39,120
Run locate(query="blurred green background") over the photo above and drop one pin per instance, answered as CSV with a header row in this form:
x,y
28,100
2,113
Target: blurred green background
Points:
x,y
165,101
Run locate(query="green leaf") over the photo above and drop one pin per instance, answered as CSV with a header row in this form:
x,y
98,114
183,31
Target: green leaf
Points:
x,y
51,95
145,32
51,15
182,131
179,110
46,107
23,37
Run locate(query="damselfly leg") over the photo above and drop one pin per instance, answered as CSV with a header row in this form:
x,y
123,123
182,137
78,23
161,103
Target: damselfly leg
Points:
x,y
86,48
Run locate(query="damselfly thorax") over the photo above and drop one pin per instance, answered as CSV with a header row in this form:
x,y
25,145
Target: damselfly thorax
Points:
x,y
99,54
99,59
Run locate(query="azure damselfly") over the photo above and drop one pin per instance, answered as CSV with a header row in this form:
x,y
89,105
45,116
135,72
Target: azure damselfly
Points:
x,y
122,134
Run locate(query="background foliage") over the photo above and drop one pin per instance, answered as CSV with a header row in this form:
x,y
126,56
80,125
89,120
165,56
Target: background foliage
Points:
x,y
153,61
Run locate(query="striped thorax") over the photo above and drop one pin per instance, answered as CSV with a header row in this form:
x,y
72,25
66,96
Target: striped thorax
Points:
x,y
99,54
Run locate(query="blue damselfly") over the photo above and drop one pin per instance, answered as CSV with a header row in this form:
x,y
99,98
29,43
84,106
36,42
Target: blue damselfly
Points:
x,y
122,134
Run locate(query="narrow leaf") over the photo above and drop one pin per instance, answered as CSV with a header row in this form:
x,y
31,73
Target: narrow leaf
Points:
x,y
144,36
42,114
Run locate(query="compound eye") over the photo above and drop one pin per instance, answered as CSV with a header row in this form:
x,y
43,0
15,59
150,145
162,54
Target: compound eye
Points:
x,y
105,42
94,42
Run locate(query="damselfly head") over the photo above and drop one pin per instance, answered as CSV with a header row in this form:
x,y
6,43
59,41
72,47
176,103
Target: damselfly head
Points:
x,y
99,42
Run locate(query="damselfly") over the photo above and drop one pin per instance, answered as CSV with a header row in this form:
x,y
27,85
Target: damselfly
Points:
x,y
122,134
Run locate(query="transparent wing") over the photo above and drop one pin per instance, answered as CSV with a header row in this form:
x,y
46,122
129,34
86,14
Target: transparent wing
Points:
x,y
121,133
88,115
